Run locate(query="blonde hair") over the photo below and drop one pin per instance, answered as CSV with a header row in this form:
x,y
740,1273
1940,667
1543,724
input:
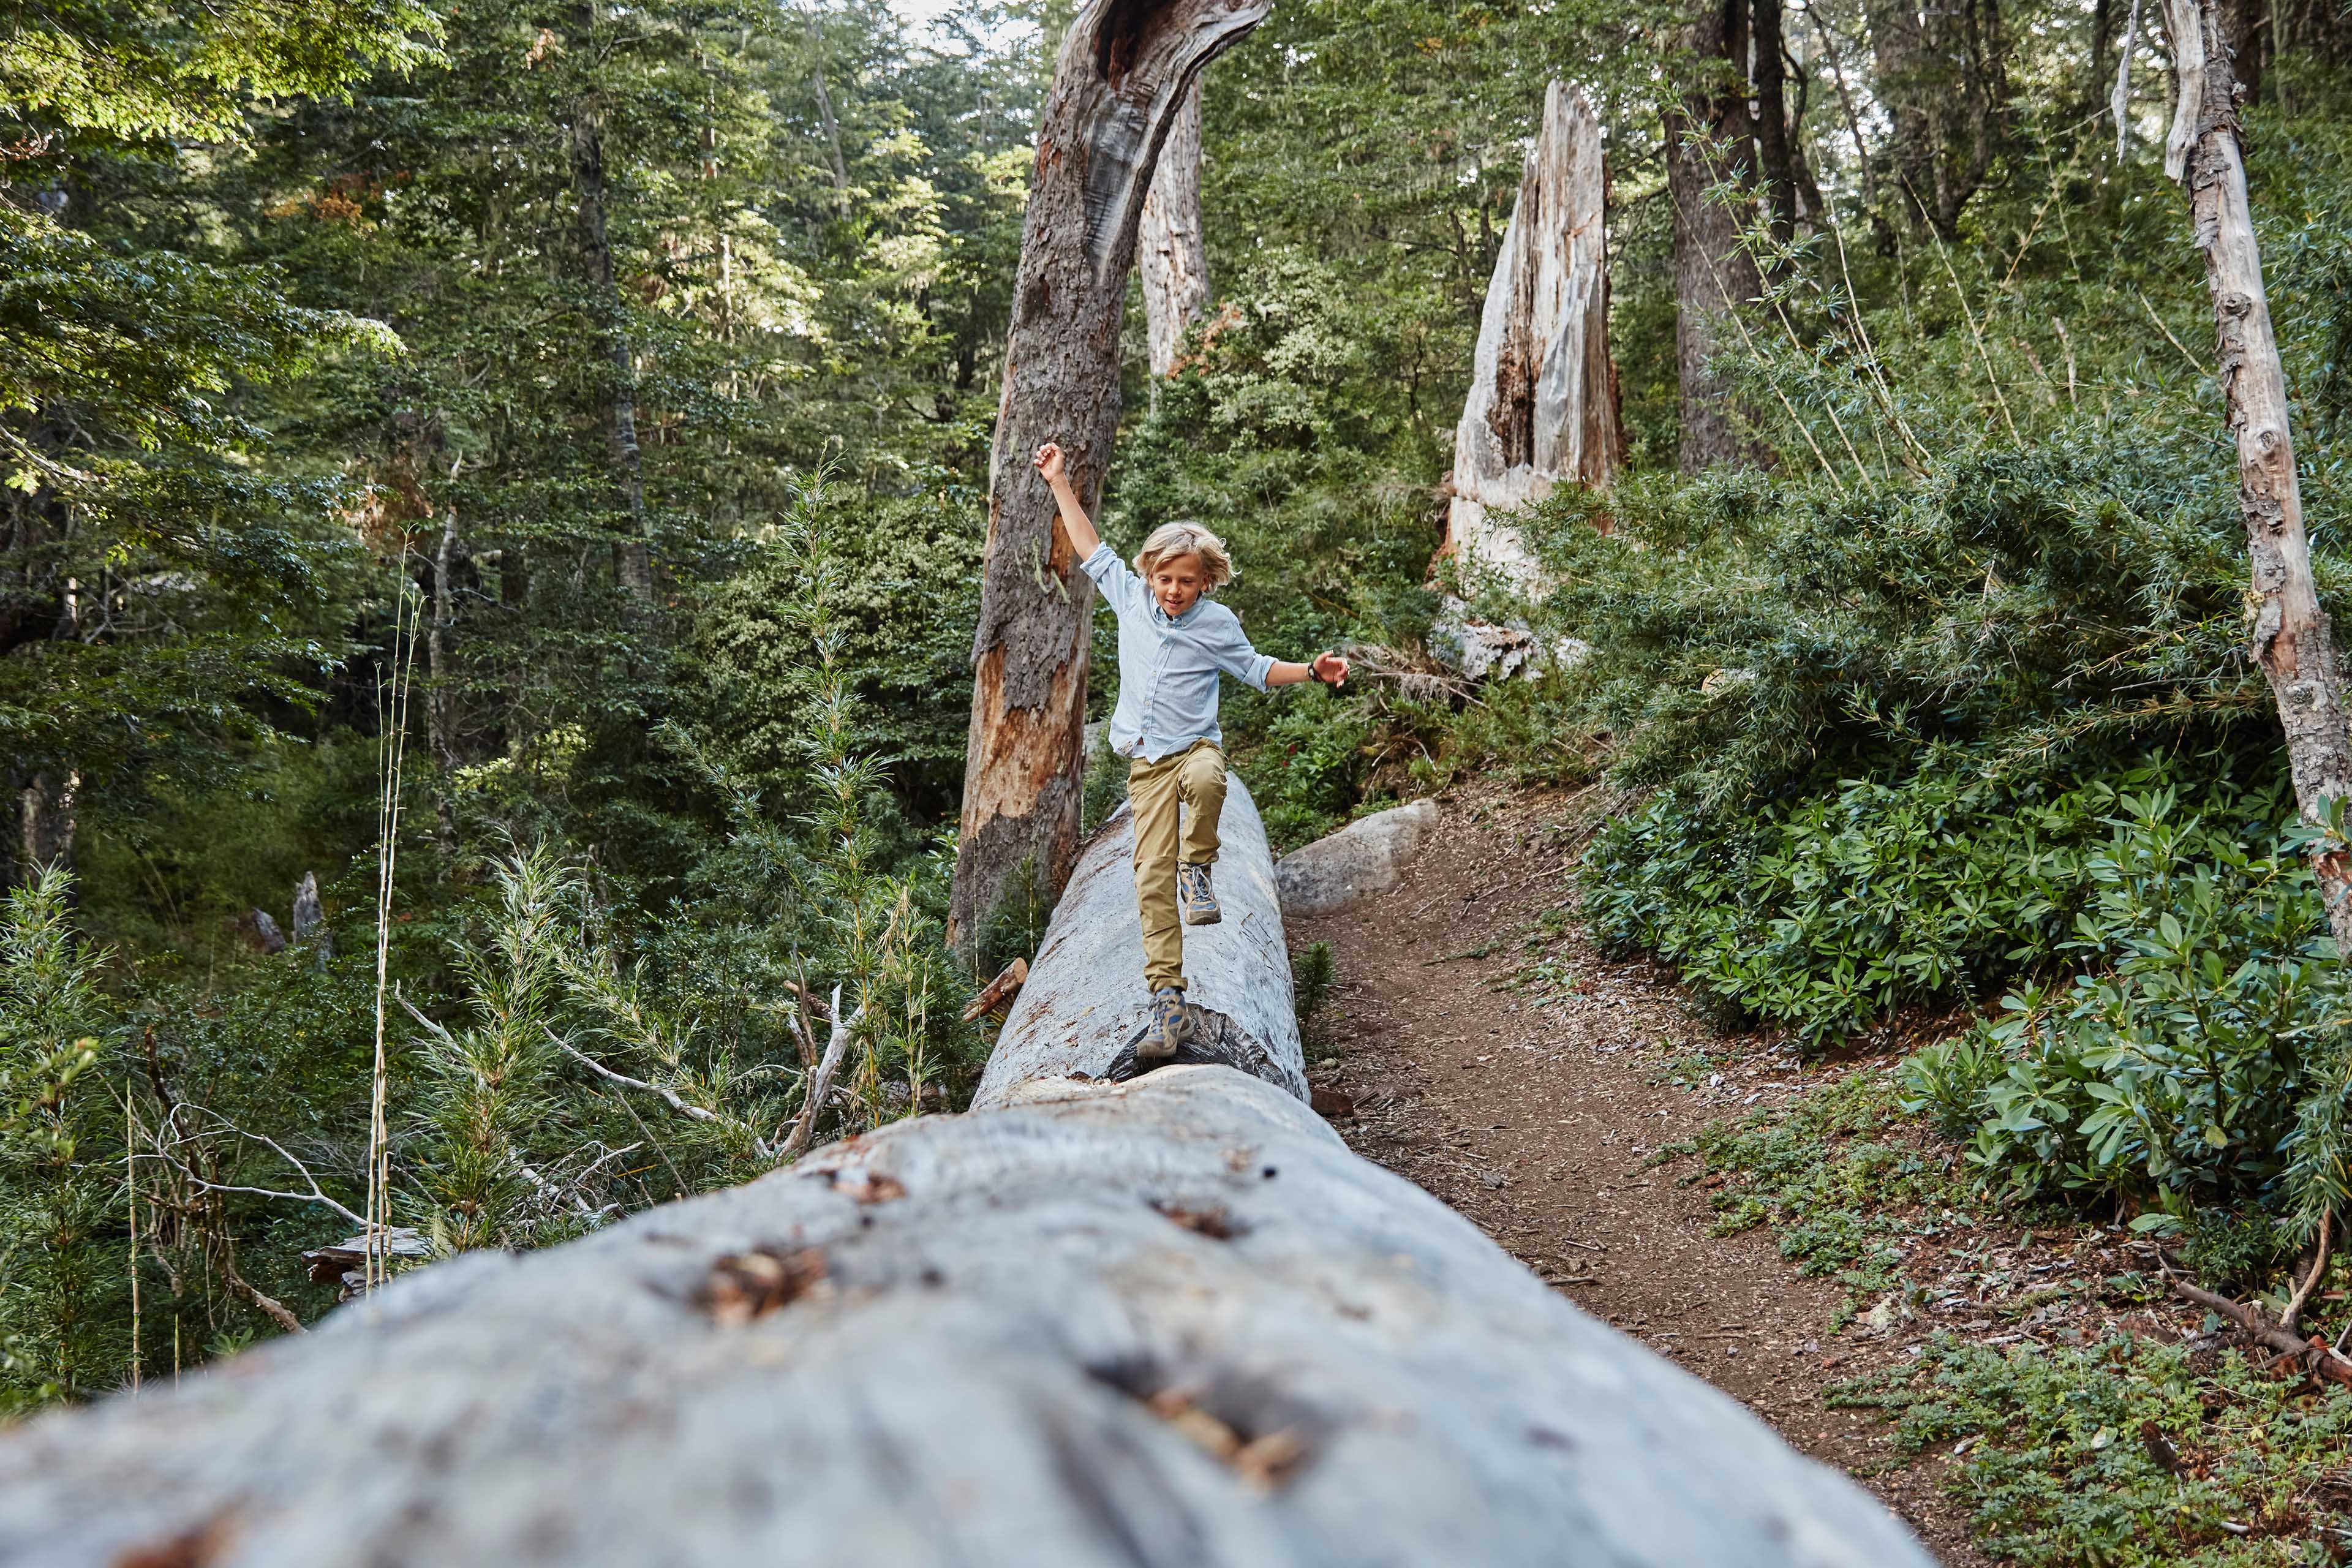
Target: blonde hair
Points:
x,y
1171,540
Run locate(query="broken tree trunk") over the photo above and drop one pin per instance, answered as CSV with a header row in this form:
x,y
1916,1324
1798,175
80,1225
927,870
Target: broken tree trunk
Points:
x,y
1543,406
1166,1322
1170,254
1125,67
2292,638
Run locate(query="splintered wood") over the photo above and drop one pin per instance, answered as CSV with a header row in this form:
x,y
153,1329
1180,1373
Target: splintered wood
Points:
x,y
1543,406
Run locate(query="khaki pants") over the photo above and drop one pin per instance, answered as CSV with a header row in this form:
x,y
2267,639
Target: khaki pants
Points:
x,y
1195,779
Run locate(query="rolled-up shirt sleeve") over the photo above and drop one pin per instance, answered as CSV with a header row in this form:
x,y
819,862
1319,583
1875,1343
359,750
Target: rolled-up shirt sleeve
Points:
x,y
1237,659
1121,588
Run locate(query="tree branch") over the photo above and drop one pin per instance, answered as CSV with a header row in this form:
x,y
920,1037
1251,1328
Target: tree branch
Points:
x,y
820,1083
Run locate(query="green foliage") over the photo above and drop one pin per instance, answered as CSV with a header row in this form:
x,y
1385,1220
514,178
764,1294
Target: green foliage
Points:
x,y
58,1195
1312,970
486,1107
2177,1064
2126,1453
902,597
1828,913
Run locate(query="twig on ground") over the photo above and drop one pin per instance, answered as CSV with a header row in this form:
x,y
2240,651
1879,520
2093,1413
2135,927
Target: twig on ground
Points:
x,y
2293,1319
2314,1354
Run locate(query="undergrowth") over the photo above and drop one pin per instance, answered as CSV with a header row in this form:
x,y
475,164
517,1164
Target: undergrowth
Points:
x,y
2127,1452
1841,1176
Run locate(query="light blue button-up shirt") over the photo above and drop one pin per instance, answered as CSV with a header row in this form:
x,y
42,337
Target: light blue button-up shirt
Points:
x,y
1167,666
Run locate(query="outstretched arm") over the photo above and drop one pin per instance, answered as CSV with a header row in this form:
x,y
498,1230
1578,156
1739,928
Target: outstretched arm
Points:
x,y
1328,668
1050,462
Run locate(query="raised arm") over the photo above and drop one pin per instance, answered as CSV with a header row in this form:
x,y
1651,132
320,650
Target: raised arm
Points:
x,y
1050,462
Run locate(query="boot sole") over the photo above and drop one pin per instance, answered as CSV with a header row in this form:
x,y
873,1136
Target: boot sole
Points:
x,y
1212,918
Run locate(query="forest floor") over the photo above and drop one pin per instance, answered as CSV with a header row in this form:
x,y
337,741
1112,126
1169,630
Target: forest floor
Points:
x,y
1496,1057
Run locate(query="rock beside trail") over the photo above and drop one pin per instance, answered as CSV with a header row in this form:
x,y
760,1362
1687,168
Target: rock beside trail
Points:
x,y
1482,650
1365,858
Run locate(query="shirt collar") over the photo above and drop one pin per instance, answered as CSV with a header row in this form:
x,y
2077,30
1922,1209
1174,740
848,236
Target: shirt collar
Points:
x,y
1186,620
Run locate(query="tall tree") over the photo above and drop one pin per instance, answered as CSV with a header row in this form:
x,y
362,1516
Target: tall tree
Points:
x,y
616,394
1943,74
1710,151
2293,640
1124,70
1777,153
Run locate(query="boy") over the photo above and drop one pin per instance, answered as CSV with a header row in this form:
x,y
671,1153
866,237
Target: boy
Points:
x,y
1171,644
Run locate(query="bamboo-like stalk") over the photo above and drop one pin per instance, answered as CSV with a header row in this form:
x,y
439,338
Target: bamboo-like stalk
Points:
x,y
131,1185
392,749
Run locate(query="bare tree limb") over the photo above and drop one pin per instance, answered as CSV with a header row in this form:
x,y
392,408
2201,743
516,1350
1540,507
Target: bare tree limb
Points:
x,y
315,1196
2314,1354
820,1083
670,1096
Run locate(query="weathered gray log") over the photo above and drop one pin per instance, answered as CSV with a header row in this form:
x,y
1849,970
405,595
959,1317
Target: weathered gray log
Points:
x,y
1083,1004
1172,1322
1169,1323
2293,640
1543,406
1170,256
1124,68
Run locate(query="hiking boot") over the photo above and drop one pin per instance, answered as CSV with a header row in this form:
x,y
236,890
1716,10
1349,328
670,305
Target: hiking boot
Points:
x,y
1193,892
1171,1025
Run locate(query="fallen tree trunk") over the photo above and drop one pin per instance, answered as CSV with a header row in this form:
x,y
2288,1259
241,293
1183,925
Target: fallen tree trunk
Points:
x,y
1084,1005
1169,1321
1125,67
2293,640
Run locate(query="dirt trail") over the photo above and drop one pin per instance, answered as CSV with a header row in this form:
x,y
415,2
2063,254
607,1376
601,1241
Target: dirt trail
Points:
x,y
1537,1123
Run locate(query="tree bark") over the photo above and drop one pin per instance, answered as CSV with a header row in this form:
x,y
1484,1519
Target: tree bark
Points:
x,y
1543,406
1708,144
825,117
1170,254
2292,640
1166,1322
45,821
1775,152
616,394
1125,67
2250,39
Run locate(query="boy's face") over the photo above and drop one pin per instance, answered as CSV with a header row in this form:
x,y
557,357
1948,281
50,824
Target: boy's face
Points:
x,y
1176,583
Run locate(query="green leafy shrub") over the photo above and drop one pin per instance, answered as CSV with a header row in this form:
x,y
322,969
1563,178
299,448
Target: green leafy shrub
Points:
x,y
1824,915
2178,1063
58,1201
